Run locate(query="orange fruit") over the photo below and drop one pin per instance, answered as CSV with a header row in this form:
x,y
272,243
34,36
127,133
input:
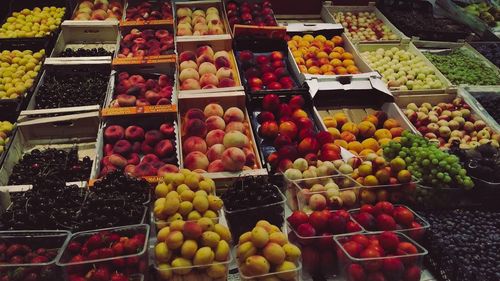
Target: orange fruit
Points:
x,y
337,40
352,69
340,70
339,50
347,56
336,62
347,63
335,55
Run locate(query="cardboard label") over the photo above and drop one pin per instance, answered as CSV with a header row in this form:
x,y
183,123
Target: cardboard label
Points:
x,y
146,22
114,111
273,32
145,60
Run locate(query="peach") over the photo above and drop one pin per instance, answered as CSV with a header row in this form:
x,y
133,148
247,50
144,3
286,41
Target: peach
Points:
x,y
396,131
205,49
184,12
299,113
99,14
215,122
215,29
199,21
190,84
216,166
207,67
196,127
201,27
221,54
391,123
185,20
213,109
195,113
183,31
234,114
371,118
341,118
212,10
308,145
189,73
222,62
200,32
227,82
185,25
205,58
187,55
198,13
224,72
196,160
209,79
233,159
215,137
188,64
347,136
288,128
382,134
235,139
235,126
215,152
366,129
350,127
194,144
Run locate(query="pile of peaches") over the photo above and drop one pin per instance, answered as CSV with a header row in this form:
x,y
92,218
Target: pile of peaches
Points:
x,y
146,42
318,55
199,22
288,127
99,10
216,140
205,69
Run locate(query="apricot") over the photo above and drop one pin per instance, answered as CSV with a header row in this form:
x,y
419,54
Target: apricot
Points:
x,y
257,265
245,250
286,270
203,256
391,123
210,239
181,266
292,252
334,132
175,240
371,144
274,253
341,142
206,224
188,249
371,118
222,251
217,271
366,129
382,134
278,238
355,146
260,237
341,118
347,136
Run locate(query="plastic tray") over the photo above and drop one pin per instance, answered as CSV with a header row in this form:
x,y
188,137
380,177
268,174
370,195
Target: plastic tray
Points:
x,y
241,221
297,272
54,239
63,259
345,260
297,194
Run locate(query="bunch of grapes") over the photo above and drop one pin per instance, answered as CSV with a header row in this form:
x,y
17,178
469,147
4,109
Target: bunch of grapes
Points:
x,y
434,167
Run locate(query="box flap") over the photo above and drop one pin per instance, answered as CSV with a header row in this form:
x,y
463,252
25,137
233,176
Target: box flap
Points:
x,y
327,29
367,89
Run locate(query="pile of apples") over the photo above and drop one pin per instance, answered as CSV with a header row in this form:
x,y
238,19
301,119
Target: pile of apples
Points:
x,y
198,22
444,123
385,216
246,13
124,249
19,70
32,23
385,256
266,250
265,72
402,70
193,250
146,42
216,140
135,90
185,196
280,123
146,11
99,10
364,26
321,56
139,152
205,69
366,137
314,233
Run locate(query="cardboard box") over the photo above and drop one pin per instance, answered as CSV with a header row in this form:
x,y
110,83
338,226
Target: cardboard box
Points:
x,y
409,47
226,100
93,34
62,132
217,45
147,71
202,5
331,10
328,30
56,65
147,122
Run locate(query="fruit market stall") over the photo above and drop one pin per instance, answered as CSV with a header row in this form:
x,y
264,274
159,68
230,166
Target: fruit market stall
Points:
x,y
201,140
